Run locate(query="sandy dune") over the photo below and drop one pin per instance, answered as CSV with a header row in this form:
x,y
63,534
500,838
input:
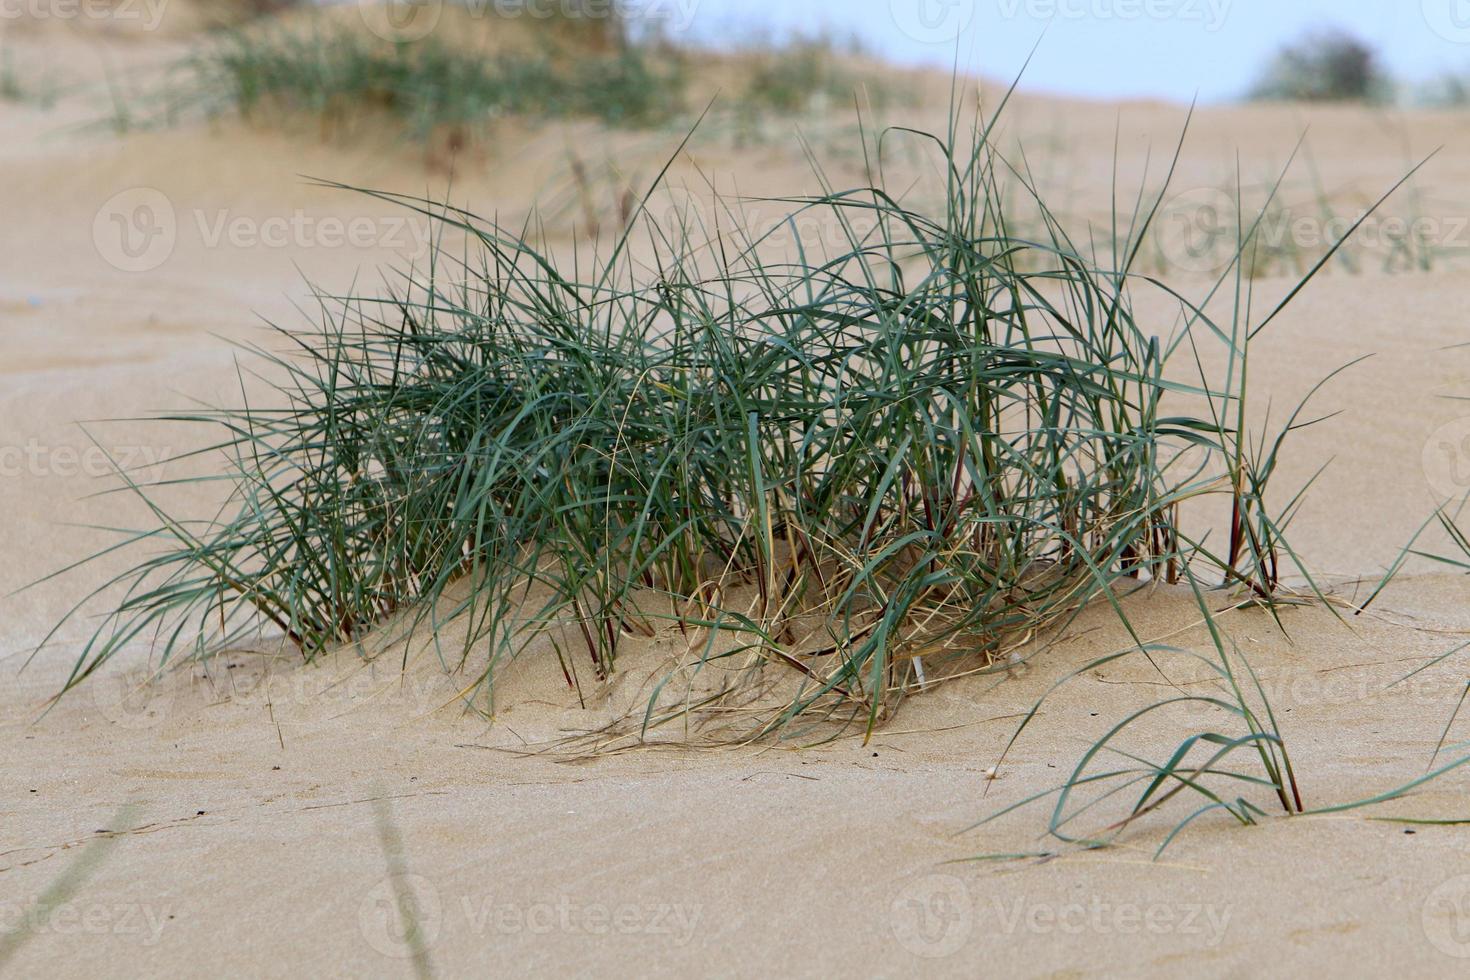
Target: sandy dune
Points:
x,y
240,807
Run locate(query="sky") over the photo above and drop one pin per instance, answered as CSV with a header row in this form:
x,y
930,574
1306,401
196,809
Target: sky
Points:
x,y
1171,49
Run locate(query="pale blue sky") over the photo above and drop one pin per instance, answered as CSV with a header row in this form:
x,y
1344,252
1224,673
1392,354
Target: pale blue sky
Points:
x,y
1110,48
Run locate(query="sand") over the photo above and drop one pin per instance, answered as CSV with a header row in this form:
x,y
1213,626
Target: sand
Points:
x,y
239,806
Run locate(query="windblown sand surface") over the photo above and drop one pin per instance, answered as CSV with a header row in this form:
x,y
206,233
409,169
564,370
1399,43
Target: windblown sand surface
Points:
x,y
243,802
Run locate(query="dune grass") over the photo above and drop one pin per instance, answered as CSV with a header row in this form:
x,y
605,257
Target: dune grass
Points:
x,y
338,73
460,82
1239,765
834,479
915,449
804,73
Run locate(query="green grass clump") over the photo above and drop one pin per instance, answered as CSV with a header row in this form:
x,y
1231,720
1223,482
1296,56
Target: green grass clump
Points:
x,y
852,467
860,468
832,477
338,74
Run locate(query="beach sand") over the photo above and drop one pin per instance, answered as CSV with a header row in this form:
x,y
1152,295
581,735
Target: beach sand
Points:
x,y
231,819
